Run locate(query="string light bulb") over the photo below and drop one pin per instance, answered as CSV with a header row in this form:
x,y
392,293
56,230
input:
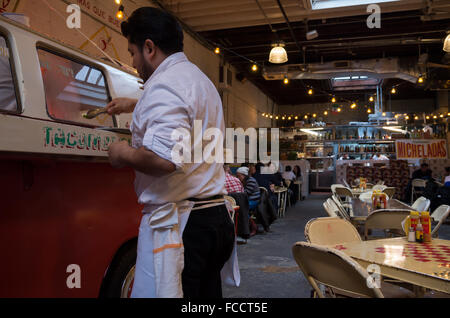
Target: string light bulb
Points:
x,y
296,117
384,114
416,118
271,116
277,117
119,14
369,111
310,91
393,90
284,118
264,114
118,2
407,117
420,80
289,118
442,116
371,99
428,117
333,100
353,106
306,116
434,117
286,80
325,113
339,110
217,50
254,67
314,115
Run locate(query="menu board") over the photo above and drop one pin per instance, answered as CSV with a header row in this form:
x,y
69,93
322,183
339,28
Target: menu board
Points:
x,y
421,149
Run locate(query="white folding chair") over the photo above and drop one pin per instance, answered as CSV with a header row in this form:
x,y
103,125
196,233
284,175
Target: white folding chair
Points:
x,y
340,208
421,204
331,212
439,215
417,183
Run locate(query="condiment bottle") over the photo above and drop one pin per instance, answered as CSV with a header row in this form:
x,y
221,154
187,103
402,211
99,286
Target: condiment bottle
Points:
x,y
426,224
411,235
419,233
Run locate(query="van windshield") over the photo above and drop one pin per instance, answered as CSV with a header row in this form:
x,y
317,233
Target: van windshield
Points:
x,y
73,90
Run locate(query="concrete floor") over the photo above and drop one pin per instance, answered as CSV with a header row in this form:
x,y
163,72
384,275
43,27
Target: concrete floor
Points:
x,y
267,267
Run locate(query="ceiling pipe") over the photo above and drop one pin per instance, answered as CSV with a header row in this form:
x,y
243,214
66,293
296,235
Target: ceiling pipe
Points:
x,y
290,28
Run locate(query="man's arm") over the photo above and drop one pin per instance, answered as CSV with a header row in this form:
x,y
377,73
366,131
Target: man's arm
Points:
x,y
121,105
142,160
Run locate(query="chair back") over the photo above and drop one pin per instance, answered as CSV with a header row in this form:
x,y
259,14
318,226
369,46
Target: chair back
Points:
x,y
341,191
332,268
440,215
419,183
421,204
340,208
331,230
346,184
231,200
390,192
329,210
385,220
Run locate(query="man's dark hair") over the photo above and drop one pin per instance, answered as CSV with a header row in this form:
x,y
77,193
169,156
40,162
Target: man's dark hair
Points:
x,y
154,24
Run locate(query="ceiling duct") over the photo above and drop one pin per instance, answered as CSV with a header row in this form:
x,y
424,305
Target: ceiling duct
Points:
x,y
405,69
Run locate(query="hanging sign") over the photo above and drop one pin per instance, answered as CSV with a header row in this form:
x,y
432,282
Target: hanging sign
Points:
x,y
421,148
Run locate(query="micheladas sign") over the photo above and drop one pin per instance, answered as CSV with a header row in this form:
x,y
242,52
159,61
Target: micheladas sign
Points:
x,y
421,149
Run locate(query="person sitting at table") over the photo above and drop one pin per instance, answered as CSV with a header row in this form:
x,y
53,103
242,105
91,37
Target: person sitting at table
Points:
x,y
251,187
288,174
266,181
298,173
379,156
423,173
232,184
446,180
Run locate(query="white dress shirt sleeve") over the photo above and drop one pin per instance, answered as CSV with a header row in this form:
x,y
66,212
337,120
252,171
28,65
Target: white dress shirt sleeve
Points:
x,y
165,112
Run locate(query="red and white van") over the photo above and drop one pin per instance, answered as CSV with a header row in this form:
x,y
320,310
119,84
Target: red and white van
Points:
x,y
61,203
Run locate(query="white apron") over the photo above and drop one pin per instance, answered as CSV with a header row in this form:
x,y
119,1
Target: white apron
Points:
x,y
160,253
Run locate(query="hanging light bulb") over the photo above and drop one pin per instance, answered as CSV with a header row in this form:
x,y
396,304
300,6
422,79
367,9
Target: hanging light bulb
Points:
x,y
339,110
434,117
217,50
264,114
384,114
420,80
446,47
286,80
278,54
396,116
393,90
284,118
310,91
306,116
428,117
407,117
314,115
119,14
442,116
271,116
296,117
416,118
277,118
254,67
289,118
371,99
353,106
333,100
325,113
448,114
369,111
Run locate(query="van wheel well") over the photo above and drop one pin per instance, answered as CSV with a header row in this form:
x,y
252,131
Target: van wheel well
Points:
x,y
123,261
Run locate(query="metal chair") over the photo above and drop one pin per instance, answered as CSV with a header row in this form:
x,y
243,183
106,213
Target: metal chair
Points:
x,y
421,204
417,183
390,192
342,211
331,212
331,230
440,215
334,269
385,220
232,202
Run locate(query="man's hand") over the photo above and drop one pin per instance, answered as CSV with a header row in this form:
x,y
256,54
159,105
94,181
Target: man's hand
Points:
x,y
117,152
121,105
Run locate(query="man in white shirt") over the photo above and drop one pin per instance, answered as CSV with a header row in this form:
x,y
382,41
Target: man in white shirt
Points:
x,y
379,156
176,93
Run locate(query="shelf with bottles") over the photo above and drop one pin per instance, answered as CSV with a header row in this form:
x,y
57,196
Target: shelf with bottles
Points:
x,y
435,131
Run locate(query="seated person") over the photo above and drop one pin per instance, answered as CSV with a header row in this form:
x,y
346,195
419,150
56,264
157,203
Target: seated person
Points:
x,y
298,173
288,174
266,181
344,157
379,156
232,184
251,187
446,180
423,173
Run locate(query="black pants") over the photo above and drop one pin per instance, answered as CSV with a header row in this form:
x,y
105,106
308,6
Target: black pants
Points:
x,y
208,241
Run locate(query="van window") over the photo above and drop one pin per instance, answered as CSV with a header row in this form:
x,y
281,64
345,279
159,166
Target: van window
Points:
x,y
8,99
74,89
